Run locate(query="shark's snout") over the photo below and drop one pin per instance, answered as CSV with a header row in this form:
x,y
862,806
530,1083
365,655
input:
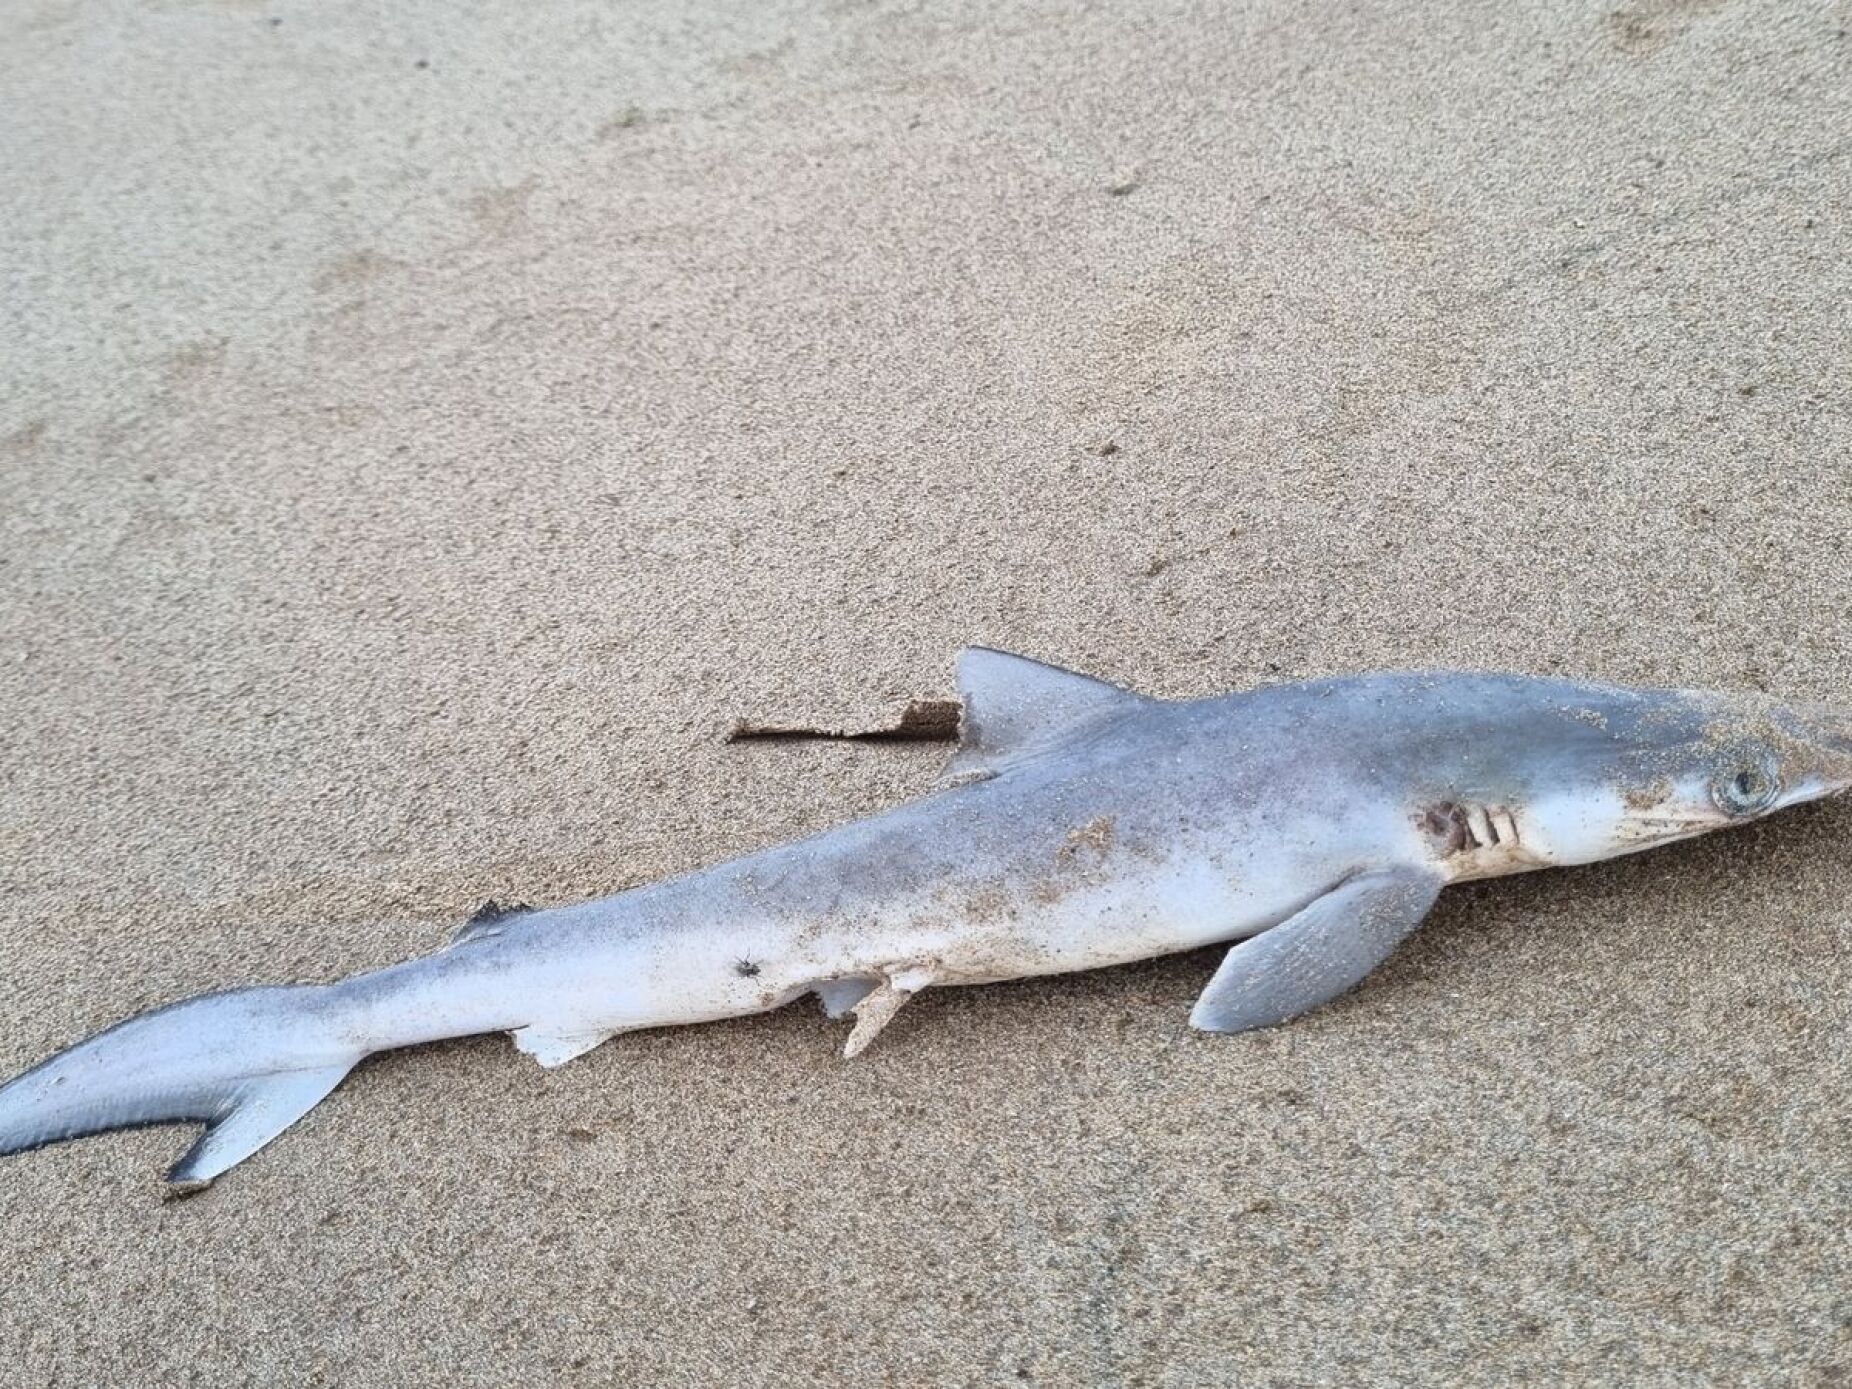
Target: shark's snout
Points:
x,y
1824,755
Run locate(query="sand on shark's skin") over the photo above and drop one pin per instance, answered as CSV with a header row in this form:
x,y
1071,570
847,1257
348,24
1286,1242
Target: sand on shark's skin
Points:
x,y
426,434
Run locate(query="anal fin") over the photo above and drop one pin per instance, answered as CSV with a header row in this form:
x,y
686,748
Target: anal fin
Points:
x,y
554,1047
260,1109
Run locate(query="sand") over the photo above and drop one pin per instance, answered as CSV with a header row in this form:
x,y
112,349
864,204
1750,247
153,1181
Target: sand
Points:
x,y
426,430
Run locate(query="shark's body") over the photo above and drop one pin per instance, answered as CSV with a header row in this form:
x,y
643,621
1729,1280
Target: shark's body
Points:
x,y
1084,826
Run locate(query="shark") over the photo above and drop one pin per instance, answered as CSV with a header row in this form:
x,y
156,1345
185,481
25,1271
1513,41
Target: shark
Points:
x,y
1078,824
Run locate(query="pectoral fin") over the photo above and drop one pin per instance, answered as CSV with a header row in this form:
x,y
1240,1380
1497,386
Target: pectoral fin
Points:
x,y
1317,953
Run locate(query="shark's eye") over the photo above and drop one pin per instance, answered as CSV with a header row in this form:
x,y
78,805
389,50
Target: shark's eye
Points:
x,y
1745,790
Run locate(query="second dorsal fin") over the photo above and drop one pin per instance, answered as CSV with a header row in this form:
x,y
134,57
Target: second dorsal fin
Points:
x,y
490,918
1015,707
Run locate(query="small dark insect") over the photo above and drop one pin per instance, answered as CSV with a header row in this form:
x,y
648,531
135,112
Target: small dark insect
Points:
x,y
746,969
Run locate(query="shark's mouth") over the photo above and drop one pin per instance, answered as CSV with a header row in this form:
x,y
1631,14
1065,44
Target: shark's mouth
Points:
x,y
1639,831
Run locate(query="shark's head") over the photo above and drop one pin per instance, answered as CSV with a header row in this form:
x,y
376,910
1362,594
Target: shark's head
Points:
x,y
1536,774
1678,764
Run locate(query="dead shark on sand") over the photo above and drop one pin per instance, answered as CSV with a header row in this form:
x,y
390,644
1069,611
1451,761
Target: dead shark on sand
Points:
x,y
1081,825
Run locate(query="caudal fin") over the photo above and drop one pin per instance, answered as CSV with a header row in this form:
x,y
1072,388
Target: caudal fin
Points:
x,y
247,1064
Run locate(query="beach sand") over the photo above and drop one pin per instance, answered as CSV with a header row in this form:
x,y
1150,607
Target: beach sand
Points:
x,y
426,429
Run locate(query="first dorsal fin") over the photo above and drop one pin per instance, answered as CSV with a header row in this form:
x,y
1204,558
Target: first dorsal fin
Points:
x,y
1015,707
